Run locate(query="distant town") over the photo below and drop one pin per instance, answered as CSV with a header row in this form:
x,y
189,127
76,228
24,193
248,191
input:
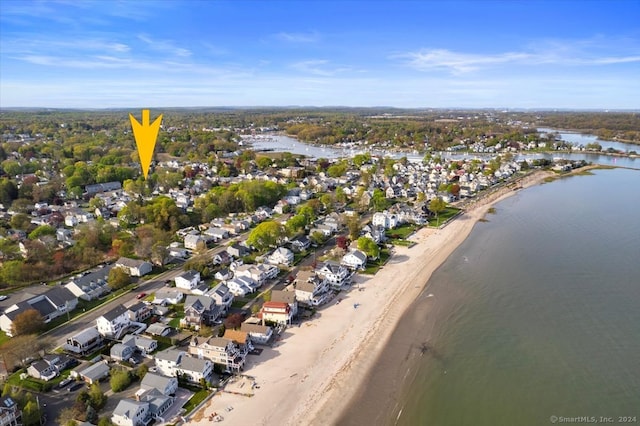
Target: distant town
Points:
x,y
130,302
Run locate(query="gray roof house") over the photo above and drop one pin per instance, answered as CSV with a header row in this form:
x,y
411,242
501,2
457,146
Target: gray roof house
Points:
x,y
143,344
84,342
135,268
93,373
129,412
121,352
166,385
90,286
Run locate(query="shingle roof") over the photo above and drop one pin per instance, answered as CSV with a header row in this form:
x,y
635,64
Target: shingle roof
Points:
x,y
115,313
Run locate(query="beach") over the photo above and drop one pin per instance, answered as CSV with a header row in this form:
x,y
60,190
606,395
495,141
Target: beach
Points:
x,y
313,373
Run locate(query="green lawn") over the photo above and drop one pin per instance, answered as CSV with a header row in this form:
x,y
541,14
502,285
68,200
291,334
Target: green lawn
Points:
x,y
374,265
196,399
401,232
444,216
175,322
3,338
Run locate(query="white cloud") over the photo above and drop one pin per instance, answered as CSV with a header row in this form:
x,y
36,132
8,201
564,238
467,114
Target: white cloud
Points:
x,y
165,46
311,37
556,53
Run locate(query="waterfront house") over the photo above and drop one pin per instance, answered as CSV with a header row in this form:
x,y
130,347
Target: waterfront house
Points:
x,y
276,312
335,274
310,288
166,385
354,259
129,412
168,360
288,297
258,333
219,350
193,370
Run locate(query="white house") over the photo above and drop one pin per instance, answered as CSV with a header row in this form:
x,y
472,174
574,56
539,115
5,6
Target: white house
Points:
x,y
166,385
354,259
311,289
129,412
167,361
84,342
188,280
222,296
281,256
335,274
135,268
167,297
257,332
385,219
114,323
193,241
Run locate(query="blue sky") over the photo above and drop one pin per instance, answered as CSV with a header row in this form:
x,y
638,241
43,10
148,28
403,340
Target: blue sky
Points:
x,y
512,54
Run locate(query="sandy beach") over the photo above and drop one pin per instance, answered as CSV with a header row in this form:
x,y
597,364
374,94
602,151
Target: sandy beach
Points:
x,y
312,373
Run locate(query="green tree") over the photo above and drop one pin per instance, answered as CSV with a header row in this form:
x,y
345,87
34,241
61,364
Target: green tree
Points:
x,y
437,205
369,247
41,231
119,380
296,223
27,322
20,221
97,398
354,227
267,234
118,278
31,414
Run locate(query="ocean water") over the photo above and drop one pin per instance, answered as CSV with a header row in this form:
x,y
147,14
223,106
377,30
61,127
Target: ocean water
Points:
x,y
535,317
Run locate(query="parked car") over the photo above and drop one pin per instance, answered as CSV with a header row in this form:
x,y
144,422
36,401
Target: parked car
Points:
x,y
74,386
141,295
3,297
65,382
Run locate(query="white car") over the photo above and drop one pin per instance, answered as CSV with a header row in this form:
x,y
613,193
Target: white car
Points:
x,y
3,297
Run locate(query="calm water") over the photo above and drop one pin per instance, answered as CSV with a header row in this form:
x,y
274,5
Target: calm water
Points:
x,y
539,312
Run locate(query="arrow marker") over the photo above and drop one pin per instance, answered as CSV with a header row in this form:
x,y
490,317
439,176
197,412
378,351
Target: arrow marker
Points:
x,y
145,135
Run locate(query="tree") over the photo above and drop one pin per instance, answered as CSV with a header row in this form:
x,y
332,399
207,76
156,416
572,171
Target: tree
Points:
x,y
369,247
19,348
105,421
97,398
20,221
118,278
354,227
296,223
342,242
437,205
267,234
31,414
66,417
27,322
119,380
41,231
233,321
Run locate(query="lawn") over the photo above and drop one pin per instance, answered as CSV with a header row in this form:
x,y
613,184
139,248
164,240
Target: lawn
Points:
x,y
175,321
444,216
196,399
401,232
374,265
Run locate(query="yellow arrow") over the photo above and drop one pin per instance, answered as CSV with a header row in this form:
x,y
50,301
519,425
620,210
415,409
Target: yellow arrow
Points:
x,y
145,135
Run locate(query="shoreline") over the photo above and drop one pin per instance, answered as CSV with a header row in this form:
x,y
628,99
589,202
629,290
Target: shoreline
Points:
x,y
319,368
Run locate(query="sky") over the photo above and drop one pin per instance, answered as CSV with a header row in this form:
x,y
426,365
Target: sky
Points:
x,y
408,53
